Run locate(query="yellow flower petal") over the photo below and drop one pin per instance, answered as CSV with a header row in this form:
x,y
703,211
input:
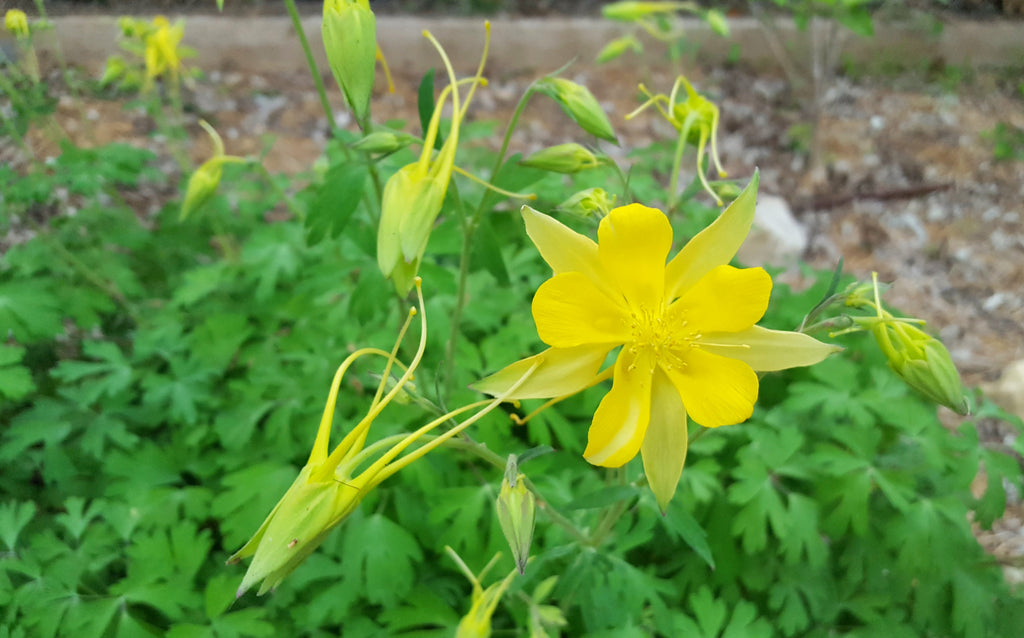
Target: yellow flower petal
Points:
x,y
621,420
727,299
664,446
564,249
633,242
562,371
766,350
570,310
715,245
715,390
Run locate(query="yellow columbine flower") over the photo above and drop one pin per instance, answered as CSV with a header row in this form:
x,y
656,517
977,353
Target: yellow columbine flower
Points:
x,y
689,343
350,39
413,196
162,56
16,23
204,181
696,119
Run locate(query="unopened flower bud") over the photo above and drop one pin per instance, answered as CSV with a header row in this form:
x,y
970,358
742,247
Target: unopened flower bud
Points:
x,y
201,186
516,508
922,362
592,202
383,142
633,11
617,47
350,40
564,158
16,23
580,104
717,21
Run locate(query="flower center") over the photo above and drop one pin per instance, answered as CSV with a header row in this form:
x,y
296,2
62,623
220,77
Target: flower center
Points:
x,y
665,339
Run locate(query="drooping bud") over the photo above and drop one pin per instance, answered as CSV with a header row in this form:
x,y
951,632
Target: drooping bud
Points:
x,y
591,202
350,40
619,46
516,508
16,23
580,104
204,181
563,158
477,621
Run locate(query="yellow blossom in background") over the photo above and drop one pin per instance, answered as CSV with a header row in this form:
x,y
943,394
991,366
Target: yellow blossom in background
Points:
x,y
16,23
696,119
413,196
162,56
689,343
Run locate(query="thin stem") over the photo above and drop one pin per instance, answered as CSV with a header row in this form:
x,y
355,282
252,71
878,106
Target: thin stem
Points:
x,y
469,227
289,202
293,12
614,512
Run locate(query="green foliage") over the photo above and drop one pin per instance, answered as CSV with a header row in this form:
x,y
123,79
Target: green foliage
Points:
x,y
1007,142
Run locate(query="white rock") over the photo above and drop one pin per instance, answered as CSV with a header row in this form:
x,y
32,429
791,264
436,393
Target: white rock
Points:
x,y
777,238
1008,391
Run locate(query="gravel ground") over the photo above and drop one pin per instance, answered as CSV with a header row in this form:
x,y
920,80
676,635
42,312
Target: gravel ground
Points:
x,y
906,183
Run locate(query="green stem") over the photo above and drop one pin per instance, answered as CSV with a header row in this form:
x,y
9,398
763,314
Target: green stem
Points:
x,y
612,514
469,226
293,12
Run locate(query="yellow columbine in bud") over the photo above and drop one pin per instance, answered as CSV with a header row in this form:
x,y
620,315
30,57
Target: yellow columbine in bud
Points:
x,y
696,119
921,360
516,509
161,53
16,23
477,622
350,40
634,11
580,104
689,343
592,202
327,489
413,196
331,485
563,158
204,181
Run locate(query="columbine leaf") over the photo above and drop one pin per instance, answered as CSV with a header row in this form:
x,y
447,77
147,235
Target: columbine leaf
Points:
x,y
380,554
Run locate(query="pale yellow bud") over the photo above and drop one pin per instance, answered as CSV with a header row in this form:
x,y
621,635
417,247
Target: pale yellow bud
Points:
x,y
516,509
350,41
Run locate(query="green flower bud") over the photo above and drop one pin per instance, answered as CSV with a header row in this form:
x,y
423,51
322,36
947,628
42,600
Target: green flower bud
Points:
x,y
592,202
617,47
633,11
16,23
204,181
717,21
383,142
564,158
350,40
516,508
922,362
580,104
201,186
